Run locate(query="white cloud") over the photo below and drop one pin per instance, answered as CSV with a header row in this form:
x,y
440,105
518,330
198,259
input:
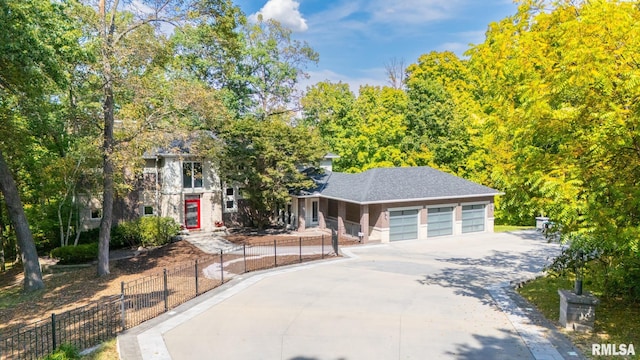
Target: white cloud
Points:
x,y
412,11
285,12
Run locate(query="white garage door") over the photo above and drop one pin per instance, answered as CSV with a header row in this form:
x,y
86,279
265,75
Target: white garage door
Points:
x,y
403,225
472,218
440,221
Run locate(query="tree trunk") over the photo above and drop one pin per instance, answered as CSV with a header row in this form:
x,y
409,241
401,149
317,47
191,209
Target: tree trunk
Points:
x,y
107,30
31,264
108,191
2,259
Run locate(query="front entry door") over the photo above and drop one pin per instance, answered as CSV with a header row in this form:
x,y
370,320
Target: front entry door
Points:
x,y
192,213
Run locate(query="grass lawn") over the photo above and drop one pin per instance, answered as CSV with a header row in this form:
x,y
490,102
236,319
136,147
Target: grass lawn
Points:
x,y
617,321
107,351
505,228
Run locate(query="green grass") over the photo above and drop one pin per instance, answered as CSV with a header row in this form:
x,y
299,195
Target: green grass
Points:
x,y
505,228
107,351
617,320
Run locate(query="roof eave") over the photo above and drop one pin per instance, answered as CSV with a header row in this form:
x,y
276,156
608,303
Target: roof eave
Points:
x,y
409,199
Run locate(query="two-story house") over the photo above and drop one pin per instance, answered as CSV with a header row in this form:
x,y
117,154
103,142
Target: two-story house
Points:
x,y
177,184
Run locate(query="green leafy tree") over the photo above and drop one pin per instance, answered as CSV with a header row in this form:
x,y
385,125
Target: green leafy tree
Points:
x,y
560,84
35,44
262,157
272,63
441,108
365,131
115,33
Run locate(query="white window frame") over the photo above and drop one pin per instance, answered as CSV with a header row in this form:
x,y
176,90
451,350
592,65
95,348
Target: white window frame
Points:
x,y
193,178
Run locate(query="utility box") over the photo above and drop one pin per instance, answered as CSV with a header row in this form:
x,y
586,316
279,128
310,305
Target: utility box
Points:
x,y
577,312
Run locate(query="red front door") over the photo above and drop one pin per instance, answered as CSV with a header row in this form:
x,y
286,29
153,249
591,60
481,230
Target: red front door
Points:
x,y
192,214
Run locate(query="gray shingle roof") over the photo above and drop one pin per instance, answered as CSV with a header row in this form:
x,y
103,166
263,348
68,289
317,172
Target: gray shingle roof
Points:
x,y
398,184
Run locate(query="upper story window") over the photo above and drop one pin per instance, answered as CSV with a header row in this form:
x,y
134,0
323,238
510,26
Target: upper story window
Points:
x,y
191,174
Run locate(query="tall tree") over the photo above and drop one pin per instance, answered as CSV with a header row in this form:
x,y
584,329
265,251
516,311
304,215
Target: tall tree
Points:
x,y
36,40
560,84
114,23
366,131
263,157
271,66
440,111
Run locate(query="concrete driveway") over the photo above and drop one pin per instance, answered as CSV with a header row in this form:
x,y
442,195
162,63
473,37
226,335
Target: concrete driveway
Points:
x,y
441,298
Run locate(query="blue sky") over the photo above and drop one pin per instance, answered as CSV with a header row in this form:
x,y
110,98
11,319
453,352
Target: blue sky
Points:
x,y
355,38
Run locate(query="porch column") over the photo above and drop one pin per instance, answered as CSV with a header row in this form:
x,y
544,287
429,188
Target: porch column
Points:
x,y
323,206
342,214
301,214
364,222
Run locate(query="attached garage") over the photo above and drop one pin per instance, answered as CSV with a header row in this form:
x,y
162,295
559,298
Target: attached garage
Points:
x,y
473,217
440,221
403,224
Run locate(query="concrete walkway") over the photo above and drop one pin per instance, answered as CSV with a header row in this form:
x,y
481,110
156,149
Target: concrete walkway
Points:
x,y
442,298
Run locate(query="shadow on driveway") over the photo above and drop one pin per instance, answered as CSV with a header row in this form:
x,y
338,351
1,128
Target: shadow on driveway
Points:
x,y
472,276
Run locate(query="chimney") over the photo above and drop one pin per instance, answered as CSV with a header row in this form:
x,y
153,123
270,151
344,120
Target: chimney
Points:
x,y
327,161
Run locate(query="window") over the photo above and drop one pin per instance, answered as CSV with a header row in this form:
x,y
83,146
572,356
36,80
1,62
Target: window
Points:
x,y
96,213
314,211
229,199
148,210
191,174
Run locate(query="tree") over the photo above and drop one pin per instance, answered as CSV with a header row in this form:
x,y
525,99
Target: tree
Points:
x,y
396,72
365,131
272,64
440,110
262,157
559,87
112,28
35,43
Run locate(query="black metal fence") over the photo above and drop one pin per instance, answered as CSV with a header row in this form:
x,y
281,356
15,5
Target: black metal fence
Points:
x,y
82,327
151,296
148,297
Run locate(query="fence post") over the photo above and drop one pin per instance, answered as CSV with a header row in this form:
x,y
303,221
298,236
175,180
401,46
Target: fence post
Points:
x,y
122,307
275,253
244,256
322,250
196,277
221,268
166,291
53,331
300,248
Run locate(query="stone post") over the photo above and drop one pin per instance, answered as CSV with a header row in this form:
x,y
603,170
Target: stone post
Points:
x,y
577,312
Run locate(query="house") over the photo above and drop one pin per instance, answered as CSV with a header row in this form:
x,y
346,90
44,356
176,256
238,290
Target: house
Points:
x,y
389,204
175,183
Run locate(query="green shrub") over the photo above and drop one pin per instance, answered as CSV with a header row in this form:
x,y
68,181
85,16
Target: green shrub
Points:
x,y
126,234
155,231
75,254
145,231
64,352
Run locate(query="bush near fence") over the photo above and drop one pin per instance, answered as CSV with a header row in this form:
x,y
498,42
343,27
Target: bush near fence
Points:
x,y
148,297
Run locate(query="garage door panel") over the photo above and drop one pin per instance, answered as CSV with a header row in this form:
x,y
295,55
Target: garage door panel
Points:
x,y
440,221
403,225
473,218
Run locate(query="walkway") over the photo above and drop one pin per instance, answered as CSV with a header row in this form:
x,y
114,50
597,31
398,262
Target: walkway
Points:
x,y
442,298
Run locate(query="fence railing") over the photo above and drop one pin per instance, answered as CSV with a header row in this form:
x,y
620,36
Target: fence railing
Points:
x,y
150,296
350,228
83,327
